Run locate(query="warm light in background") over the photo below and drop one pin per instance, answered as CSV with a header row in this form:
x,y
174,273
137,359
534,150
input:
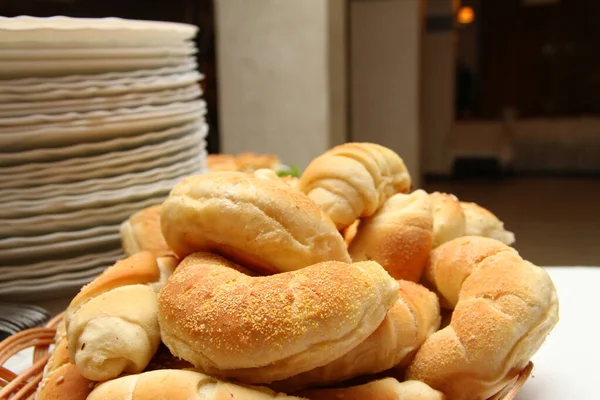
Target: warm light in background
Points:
x,y
466,15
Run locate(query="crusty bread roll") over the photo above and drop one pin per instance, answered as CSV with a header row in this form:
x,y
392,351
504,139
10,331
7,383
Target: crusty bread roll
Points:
x,y
398,236
504,309
448,218
250,162
179,385
413,318
262,329
383,389
261,224
112,324
353,180
221,162
482,222
142,232
65,383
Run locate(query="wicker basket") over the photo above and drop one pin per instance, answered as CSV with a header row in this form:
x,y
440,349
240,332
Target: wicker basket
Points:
x,y
24,386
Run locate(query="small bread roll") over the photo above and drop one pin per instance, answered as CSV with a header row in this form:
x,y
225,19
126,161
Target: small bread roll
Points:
x,y
482,222
448,218
398,236
221,162
270,174
413,318
383,389
65,383
353,180
112,324
168,384
142,232
261,224
262,329
504,307
250,162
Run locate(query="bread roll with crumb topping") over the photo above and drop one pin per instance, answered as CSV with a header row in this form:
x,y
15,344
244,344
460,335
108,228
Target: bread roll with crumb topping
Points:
x,y
142,232
398,236
262,329
504,307
264,225
353,180
168,384
413,318
482,222
448,218
383,389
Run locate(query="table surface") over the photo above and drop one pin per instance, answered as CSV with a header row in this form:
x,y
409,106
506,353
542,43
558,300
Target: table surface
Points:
x,y
566,365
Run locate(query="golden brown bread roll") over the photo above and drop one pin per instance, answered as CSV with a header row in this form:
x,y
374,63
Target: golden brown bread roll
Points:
x,y
413,318
250,162
112,324
65,383
221,162
142,232
261,224
482,222
398,236
504,307
168,384
353,180
262,329
383,389
448,218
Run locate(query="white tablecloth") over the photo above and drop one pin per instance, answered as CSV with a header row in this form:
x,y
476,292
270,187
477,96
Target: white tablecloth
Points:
x,y
566,367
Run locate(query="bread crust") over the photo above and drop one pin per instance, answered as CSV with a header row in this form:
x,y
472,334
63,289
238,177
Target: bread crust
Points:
x,y
262,329
221,162
141,232
65,383
482,222
382,389
264,225
448,218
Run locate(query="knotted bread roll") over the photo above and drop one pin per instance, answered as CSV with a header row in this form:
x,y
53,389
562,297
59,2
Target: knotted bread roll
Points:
x,y
382,389
262,329
398,236
353,180
413,318
504,307
168,384
112,324
264,225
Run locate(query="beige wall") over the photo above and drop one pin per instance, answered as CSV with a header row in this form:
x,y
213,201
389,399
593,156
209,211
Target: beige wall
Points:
x,y
385,76
281,75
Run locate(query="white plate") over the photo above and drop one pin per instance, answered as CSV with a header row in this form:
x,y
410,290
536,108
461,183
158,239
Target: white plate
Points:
x,y
56,237
98,192
79,219
39,52
92,271
96,148
46,250
106,164
94,130
54,266
52,290
11,69
130,100
99,31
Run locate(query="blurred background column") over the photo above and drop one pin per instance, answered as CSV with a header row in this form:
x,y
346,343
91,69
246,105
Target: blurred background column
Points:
x,y
282,76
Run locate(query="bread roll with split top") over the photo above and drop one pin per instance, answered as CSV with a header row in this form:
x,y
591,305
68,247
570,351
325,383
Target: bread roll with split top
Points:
x,y
448,218
264,225
398,236
268,328
504,307
413,318
142,232
353,180
382,389
482,222
112,324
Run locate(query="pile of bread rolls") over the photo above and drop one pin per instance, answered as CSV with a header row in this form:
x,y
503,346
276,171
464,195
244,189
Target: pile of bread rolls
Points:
x,y
244,285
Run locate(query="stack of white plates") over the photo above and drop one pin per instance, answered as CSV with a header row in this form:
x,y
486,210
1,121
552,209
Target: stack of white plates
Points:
x,y
99,118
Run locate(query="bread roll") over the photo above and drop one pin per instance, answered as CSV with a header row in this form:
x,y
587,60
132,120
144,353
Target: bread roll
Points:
x,y
261,224
481,222
413,318
448,218
250,162
179,385
112,324
383,389
221,162
262,329
65,383
353,180
141,232
504,309
349,233
398,236
270,174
